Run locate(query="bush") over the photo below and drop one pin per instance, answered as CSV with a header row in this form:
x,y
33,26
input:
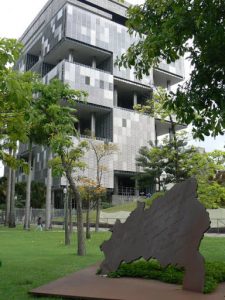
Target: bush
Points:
x,y
154,197
106,205
215,273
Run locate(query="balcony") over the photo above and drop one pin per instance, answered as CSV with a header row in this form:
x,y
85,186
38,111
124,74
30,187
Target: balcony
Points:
x,y
166,75
98,83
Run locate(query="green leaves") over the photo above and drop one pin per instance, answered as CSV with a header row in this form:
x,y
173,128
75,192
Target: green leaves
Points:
x,y
9,52
165,29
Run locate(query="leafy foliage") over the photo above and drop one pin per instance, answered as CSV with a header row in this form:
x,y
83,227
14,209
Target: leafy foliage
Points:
x,y
169,158
38,194
167,30
89,190
205,167
215,273
16,95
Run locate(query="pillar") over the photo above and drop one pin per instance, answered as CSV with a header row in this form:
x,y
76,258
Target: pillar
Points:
x,y
135,102
115,101
71,56
94,63
116,186
136,188
78,129
93,124
168,83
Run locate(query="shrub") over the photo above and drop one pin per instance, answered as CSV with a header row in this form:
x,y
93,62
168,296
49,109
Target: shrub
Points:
x,y
154,197
215,273
106,205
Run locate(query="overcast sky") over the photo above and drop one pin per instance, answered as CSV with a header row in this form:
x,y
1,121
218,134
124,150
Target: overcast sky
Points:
x,y
16,15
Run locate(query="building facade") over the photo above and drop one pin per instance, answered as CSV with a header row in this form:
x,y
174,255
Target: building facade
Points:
x,y
78,42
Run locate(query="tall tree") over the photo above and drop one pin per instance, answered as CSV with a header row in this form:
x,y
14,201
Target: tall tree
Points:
x,y
15,100
152,160
167,30
174,145
101,151
90,193
56,121
169,157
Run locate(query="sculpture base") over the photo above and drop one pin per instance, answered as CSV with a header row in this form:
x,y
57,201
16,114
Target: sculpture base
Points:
x,y
85,284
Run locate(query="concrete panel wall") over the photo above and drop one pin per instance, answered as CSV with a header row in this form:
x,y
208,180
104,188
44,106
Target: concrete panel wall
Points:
x,y
100,32
131,131
98,84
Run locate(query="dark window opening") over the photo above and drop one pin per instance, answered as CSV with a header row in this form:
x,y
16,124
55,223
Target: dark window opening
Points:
x,y
87,80
124,123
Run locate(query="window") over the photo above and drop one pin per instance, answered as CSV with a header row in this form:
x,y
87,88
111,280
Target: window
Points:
x,y
124,123
87,80
101,84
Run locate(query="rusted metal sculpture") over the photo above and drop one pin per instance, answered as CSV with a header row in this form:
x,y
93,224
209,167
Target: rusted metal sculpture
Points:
x,y
170,231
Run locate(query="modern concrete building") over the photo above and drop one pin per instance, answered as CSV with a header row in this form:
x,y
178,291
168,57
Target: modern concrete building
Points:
x,y
78,42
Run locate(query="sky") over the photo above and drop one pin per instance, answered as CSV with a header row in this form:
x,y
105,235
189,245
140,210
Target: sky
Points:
x,y
15,17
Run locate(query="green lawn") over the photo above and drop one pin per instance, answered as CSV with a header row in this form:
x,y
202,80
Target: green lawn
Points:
x,y
30,259
122,207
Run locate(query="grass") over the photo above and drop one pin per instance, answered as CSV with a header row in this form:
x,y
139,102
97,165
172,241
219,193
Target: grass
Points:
x,y
122,207
30,259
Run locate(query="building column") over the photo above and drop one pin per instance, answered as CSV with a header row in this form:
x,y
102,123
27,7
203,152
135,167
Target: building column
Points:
x,y
94,63
135,99
136,188
115,95
71,56
168,83
93,124
116,186
78,129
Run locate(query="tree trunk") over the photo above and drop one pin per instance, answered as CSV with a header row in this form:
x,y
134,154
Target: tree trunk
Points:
x,y
48,194
88,233
66,217
98,207
81,251
12,217
176,160
28,190
70,216
8,196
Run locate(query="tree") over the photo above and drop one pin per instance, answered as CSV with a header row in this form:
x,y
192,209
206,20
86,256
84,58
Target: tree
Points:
x,y
167,30
16,94
101,151
152,160
68,163
56,120
90,193
38,194
170,158
205,167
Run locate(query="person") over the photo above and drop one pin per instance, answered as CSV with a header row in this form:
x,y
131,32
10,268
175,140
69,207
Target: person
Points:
x,y
39,224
